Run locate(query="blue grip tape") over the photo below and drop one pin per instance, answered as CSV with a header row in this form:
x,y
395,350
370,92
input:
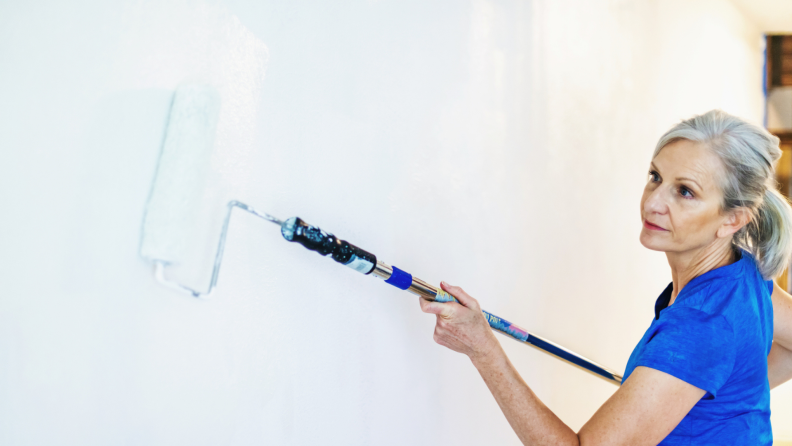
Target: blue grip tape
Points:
x,y
494,321
442,296
400,279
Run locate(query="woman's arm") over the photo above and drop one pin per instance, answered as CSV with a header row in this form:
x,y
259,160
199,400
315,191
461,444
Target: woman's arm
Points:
x,y
782,317
779,361
642,412
779,365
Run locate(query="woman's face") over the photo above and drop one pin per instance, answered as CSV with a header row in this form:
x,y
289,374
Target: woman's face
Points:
x,y
681,204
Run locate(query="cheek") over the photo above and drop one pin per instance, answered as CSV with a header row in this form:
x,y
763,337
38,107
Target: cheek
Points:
x,y
695,222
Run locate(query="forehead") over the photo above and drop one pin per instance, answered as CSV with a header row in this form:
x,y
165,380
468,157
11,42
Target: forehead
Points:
x,y
689,159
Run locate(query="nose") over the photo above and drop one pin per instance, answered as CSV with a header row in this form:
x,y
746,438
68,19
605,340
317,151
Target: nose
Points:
x,y
655,202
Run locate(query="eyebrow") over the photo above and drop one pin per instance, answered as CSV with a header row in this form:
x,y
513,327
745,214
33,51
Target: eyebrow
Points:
x,y
679,178
691,180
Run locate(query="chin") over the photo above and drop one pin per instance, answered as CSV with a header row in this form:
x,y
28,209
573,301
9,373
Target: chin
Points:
x,y
651,242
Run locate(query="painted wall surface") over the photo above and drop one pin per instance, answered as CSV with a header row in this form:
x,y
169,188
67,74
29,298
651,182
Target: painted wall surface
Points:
x,y
498,145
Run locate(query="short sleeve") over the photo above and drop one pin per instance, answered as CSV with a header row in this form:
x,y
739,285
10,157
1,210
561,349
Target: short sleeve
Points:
x,y
692,345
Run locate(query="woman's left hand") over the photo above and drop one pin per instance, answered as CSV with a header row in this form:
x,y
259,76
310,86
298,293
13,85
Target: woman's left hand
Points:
x,y
461,326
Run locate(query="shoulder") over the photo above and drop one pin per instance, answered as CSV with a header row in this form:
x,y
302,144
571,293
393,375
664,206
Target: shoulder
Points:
x,y
738,293
696,323
693,345
727,289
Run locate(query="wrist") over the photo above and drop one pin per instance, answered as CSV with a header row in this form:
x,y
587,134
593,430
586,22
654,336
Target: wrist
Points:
x,y
488,356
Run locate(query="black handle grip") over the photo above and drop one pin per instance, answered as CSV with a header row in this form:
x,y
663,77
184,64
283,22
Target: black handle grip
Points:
x,y
315,239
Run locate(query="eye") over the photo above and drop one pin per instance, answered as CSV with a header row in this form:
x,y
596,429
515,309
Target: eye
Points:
x,y
654,177
685,192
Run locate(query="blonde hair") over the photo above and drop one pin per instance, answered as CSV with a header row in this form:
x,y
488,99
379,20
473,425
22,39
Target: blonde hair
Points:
x,y
748,153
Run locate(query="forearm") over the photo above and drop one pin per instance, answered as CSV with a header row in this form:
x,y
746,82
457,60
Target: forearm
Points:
x,y
642,412
533,422
779,365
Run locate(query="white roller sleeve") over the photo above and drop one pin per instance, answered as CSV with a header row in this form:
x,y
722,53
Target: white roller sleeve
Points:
x,y
178,186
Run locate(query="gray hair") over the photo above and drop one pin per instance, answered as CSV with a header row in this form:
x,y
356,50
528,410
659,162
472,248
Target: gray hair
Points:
x,y
748,153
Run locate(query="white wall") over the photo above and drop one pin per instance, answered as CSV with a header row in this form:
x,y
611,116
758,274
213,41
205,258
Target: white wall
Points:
x,y
772,16
499,145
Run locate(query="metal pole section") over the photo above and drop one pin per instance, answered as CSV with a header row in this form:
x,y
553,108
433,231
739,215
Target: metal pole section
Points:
x,y
420,288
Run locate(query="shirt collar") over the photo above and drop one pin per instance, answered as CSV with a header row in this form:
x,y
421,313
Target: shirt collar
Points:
x,y
731,270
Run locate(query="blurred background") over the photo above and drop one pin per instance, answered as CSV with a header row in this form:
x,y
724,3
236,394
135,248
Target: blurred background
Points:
x,y
498,145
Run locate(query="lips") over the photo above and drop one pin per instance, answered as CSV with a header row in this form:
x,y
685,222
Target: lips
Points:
x,y
653,226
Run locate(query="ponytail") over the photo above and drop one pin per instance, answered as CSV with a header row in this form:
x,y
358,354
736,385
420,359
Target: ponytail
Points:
x,y
769,235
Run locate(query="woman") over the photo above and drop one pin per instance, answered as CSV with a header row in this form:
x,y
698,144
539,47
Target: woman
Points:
x,y
703,371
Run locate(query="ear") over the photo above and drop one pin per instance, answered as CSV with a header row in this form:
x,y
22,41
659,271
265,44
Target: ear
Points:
x,y
735,220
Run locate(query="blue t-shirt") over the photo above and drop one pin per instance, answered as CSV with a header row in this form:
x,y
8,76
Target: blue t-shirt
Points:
x,y
716,336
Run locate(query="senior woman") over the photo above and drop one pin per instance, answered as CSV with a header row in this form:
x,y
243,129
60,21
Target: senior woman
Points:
x,y
703,371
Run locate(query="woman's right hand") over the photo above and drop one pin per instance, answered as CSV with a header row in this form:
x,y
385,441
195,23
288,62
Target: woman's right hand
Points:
x,y
462,326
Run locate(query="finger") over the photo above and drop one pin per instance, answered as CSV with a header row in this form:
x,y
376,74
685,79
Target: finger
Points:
x,y
438,308
423,303
426,306
460,295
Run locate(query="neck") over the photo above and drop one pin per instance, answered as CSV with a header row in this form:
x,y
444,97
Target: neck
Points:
x,y
686,266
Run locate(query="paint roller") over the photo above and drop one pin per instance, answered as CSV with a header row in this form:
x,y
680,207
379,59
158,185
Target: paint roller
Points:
x,y
173,200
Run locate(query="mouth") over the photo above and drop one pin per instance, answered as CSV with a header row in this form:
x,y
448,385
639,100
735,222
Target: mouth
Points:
x,y
652,226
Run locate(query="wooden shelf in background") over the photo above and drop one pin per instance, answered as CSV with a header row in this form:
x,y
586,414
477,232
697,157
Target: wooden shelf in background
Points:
x,y
779,61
